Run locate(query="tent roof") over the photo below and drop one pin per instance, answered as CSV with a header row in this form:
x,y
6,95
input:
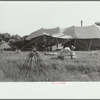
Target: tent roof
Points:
x,y
43,31
86,32
57,35
65,37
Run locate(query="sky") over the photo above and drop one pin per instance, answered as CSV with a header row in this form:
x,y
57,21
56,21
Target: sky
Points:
x,y
25,17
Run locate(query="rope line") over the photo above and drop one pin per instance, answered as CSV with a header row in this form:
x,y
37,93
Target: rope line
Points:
x,y
30,43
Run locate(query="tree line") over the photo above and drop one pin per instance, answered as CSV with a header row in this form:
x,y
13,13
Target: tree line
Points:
x,y
14,41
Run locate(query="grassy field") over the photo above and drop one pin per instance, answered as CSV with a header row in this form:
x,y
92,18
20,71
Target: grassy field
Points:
x,y
85,68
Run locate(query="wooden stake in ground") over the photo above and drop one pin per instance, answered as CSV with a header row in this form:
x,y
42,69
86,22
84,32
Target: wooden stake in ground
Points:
x,y
71,55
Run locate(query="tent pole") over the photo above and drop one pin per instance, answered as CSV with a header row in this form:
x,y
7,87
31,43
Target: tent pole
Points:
x,y
90,44
87,45
57,43
44,42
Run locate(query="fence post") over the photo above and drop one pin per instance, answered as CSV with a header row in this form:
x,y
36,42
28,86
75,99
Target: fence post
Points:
x,y
71,55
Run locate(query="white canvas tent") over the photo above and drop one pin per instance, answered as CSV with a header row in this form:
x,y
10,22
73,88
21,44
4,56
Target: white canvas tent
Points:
x,y
50,37
42,32
86,38
4,46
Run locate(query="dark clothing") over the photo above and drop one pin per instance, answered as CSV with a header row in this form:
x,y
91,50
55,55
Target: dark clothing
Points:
x,y
68,44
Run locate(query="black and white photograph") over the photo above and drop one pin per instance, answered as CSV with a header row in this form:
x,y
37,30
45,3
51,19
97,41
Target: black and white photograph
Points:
x,y
49,41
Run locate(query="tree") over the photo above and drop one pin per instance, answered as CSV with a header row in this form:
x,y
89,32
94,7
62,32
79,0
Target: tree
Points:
x,y
6,37
16,37
0,37
11,41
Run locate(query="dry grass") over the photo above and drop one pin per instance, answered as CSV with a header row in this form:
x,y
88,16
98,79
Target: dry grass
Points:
x,y
85,68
